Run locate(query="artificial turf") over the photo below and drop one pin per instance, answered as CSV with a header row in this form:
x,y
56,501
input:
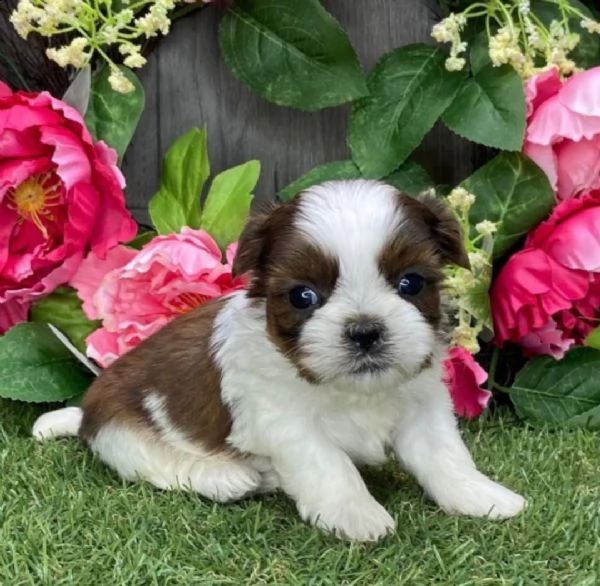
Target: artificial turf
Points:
x,y
66,519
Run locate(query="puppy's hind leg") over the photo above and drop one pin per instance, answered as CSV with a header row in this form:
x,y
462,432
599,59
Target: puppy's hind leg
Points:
x,y
136,453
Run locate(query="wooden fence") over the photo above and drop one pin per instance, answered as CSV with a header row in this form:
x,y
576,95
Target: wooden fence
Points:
x,y
188,84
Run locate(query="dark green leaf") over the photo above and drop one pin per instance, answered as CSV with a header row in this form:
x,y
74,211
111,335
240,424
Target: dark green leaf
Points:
x,y
227,204
184,172
587,53
512,191
327,172
291,53
410,89
593,339
489,109
410,178
566,391
63,309
36,367
112,116
141,239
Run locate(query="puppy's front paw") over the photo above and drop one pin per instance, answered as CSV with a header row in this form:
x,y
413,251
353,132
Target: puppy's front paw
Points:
x,y
482,497
356,518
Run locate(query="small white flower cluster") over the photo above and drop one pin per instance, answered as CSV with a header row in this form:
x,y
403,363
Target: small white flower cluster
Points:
x,y
97,26
521,39
460,283
448,31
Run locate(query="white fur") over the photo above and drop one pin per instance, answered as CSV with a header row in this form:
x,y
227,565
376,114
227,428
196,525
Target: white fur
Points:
x,y
60,423
308,439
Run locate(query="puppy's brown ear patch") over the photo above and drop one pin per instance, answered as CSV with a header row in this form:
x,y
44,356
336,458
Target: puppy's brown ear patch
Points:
x,y
445,229
250,245
261,236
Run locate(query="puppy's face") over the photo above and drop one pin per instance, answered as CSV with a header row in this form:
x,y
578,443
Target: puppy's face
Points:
x,y
351,275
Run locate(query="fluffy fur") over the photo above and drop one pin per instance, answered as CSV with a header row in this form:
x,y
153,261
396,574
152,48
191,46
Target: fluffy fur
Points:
x,y
251,394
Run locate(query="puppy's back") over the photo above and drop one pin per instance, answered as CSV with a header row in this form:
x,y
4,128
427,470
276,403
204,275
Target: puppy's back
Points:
x,y
174,369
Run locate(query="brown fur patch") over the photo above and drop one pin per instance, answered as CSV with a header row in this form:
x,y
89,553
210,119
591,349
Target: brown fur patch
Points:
x,y
175,363
280,258
298,264
427,240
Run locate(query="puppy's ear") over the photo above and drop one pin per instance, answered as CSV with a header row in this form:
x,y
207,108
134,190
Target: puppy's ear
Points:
x,y
445,229
251,245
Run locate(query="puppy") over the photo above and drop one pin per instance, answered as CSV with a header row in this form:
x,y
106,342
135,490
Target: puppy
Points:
x,y
331,356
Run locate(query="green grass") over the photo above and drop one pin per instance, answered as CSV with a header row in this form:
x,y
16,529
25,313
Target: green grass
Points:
x,y
66,519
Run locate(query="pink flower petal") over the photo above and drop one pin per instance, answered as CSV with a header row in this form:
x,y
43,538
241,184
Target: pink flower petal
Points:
x,y
578,166
102,346
93,270
464,377
548,340
581,93
12,312
541,87
575,242
70,158
545,158
553,121
5,91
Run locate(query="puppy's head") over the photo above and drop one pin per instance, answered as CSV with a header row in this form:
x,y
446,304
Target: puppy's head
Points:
x,y
351,274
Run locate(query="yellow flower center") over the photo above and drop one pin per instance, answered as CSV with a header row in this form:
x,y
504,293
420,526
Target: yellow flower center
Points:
x,y
34,198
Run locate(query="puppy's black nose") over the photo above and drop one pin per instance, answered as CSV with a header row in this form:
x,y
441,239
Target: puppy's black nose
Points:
x,y
365,336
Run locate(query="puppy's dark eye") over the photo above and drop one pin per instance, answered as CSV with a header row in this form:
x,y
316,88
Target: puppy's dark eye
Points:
x,y
411,284
303,297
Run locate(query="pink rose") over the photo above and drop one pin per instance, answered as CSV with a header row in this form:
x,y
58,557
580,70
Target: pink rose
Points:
x,y
137,293
464,377
547,296
563,130
61,195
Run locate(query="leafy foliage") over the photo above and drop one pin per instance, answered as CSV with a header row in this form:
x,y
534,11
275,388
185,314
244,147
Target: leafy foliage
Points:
x,y
410,89
513,192
291,53
112,116
489,109
63,308
36,367
554,392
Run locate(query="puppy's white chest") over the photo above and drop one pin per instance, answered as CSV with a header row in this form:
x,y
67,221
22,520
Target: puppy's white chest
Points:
x,y
362,433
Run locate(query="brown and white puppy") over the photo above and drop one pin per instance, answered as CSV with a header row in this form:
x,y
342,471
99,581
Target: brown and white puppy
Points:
x,y
332,355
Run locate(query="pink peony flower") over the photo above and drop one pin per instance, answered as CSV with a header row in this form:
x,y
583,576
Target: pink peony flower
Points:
x,y
563,130
60,196
464,377
547,296
137,293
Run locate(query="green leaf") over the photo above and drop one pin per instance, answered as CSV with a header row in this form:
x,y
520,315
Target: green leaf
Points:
x,y
410,89
587,53
36,367
112,116
185,170
512,191
410,178
326,172
547,391
593,339
489,109
291,53
141,239
63,308
227,204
